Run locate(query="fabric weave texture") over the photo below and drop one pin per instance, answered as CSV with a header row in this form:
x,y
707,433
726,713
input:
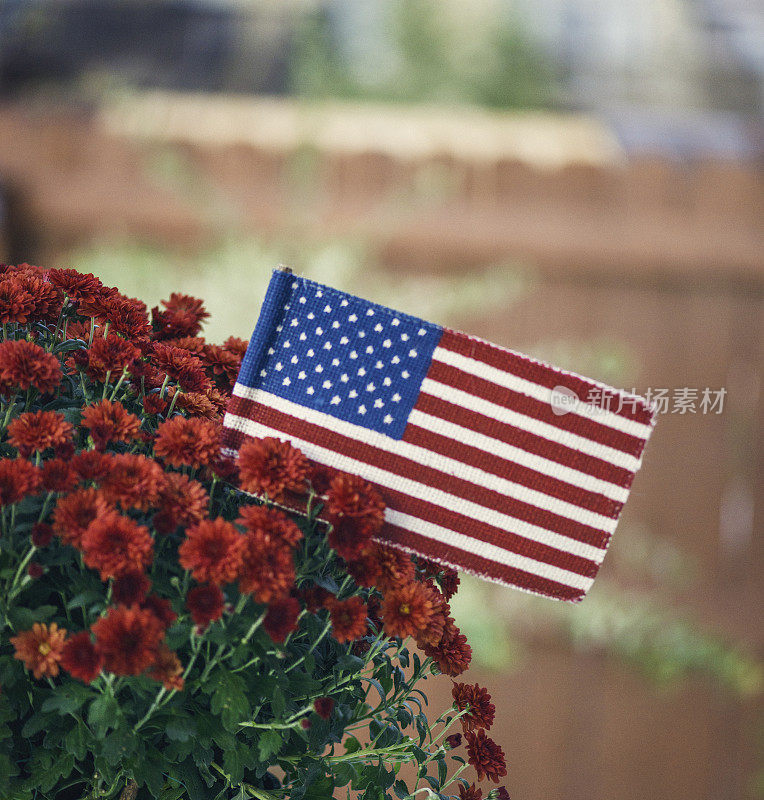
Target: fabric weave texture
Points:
x,y
489,461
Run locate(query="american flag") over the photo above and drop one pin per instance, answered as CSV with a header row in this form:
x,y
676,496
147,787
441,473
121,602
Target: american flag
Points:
x,y
489,461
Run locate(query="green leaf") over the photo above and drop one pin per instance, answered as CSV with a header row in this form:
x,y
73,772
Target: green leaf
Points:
x,y
180,728
442,770
102,715
269,744
349,663
7,771
400,789
322,789
119,745
77,740
68,698
278,703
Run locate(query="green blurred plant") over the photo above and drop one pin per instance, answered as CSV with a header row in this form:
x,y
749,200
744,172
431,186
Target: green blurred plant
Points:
x,y
427,58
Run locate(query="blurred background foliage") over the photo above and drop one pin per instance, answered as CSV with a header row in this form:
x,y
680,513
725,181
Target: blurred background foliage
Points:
x,y
425,57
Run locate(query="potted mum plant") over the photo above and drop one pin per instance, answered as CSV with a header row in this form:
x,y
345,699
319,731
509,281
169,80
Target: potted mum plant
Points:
x,y
169,629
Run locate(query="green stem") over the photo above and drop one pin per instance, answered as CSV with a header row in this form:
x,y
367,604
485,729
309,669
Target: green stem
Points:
x,y
313,646
173,402
119,383
160,694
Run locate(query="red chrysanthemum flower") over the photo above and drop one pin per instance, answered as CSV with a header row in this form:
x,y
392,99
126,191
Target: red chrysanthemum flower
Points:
x,y
205,603
128,316
350,537
365,570
35,570
485,756
449,582
183,316
76,285
471,792
74,513
185,442
98,304
90,465
130,587
223,363
41,535
314,597
57,475
182,501
271,467
18,479
236,346
16,303
212,551
350,496
502,794
454,740
482,710
40,648
78,330
452,654
274,525
320,477
132,481
281,618
348,618
80,658
109,356
395,566
110,421
25,365
47,298
407,609
128,639
114,544
167,669
433,632
194,344
160,607
181,365
267,569
323,706
195,404
36,431
154,404
218,399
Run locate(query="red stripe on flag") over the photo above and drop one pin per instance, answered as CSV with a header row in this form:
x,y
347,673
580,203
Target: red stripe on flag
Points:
x,y
536,409
536,372
525,440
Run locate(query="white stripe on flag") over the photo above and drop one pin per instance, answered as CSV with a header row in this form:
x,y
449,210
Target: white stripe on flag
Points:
x,y
506,379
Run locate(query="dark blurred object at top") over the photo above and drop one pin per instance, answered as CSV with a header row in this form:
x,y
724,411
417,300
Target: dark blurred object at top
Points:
x,y
172,44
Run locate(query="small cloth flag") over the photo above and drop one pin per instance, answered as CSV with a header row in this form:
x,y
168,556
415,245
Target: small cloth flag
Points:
x,y
488,461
